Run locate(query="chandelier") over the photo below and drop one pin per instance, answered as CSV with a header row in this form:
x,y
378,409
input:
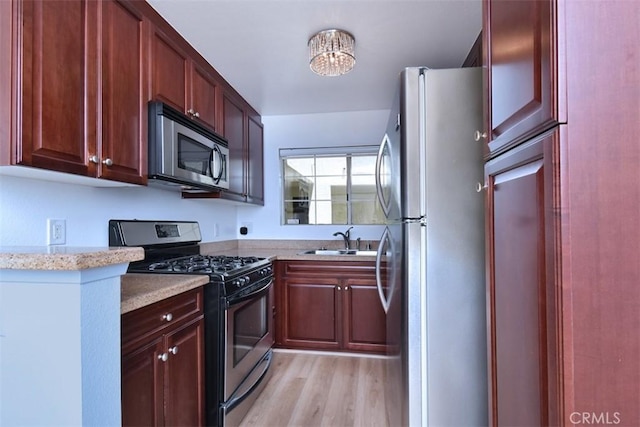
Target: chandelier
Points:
x,y
331,52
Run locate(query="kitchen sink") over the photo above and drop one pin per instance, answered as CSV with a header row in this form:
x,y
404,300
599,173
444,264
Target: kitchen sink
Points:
x,y
338,252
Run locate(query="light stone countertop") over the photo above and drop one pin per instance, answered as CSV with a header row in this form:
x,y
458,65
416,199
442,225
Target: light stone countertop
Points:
x,y
139,290
65,257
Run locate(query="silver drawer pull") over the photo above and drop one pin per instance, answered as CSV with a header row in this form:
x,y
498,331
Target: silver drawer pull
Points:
x,y
168,317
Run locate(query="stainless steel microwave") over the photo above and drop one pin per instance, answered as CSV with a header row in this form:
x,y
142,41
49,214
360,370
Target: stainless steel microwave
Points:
x,y
183,153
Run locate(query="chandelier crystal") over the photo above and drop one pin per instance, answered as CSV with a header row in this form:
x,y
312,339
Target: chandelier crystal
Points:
x,y
331,52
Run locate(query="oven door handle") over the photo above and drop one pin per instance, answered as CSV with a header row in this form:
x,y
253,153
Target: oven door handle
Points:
x,y
256,293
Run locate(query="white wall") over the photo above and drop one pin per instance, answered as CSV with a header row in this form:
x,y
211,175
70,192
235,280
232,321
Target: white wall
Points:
x,y
27,203
308,130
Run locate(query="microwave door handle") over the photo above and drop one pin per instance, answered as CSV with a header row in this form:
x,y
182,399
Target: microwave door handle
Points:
x,y
216,175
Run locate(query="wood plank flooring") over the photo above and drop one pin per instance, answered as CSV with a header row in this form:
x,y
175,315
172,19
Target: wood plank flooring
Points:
x,y
310,389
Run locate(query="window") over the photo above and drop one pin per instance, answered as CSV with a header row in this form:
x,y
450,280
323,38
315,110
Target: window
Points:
x,y
330,186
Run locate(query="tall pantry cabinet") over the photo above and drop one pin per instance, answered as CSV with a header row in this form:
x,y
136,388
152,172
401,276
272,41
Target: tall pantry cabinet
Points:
x,y
563,211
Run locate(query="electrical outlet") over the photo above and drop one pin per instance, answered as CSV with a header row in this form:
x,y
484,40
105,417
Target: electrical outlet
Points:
x,y
56,232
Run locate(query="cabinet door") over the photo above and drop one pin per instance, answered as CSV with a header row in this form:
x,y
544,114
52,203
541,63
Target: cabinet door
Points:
x,y
255,162
58,94
234,132
124,118
184,389
142,386
520,43
312,313
203,95
169,65
521,284
364,325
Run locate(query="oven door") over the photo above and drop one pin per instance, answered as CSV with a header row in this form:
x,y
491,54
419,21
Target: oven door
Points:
x,y
248,334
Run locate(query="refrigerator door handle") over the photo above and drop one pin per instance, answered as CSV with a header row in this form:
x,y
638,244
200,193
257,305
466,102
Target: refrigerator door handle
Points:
x,y
383,299
384,203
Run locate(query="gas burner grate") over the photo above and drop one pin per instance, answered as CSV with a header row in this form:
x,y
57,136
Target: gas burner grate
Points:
x,y
204,264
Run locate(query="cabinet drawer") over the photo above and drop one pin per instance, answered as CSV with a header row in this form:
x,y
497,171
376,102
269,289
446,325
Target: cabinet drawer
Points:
x,y
147,322
328,268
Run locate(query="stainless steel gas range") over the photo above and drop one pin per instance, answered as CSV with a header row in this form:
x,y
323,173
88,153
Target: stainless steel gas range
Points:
x,y
238,304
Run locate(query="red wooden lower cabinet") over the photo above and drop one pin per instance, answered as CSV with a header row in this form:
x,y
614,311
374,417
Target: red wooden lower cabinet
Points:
x,y
163,363
329,305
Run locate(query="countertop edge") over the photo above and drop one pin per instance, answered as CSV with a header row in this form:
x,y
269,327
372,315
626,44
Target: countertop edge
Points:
x,y
140,290
66,257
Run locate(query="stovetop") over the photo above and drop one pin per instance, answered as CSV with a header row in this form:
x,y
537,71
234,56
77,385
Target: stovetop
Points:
x,y
217,266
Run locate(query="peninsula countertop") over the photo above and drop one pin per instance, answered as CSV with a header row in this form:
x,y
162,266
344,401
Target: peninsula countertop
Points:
x,y
65,257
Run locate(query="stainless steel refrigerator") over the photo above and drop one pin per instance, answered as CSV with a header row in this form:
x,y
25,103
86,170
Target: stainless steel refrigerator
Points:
x,y
430,262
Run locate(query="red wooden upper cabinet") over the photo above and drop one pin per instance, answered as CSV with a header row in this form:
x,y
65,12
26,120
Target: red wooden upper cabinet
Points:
x,y
180,81
521,57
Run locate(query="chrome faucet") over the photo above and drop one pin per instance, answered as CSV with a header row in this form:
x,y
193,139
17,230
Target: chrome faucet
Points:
x,y
346,237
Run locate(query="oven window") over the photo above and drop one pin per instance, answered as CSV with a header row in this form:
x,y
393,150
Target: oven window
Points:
x,y
250,325
193,156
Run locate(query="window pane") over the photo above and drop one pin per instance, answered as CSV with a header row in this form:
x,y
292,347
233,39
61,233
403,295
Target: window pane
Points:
x,y
333,212
298,167
363,165
335,166
363,180
296,213
367,212
331,188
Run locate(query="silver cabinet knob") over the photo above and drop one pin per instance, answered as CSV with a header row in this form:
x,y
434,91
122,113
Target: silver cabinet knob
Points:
x,y
339,288
168,317
480,187
107,162
94,159
196,114
174,349
164,357
479,135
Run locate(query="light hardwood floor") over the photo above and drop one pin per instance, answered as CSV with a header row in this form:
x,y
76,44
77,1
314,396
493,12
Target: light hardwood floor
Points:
x,y
310,389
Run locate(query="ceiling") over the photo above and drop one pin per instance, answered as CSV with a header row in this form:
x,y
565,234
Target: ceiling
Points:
x,y
260,46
